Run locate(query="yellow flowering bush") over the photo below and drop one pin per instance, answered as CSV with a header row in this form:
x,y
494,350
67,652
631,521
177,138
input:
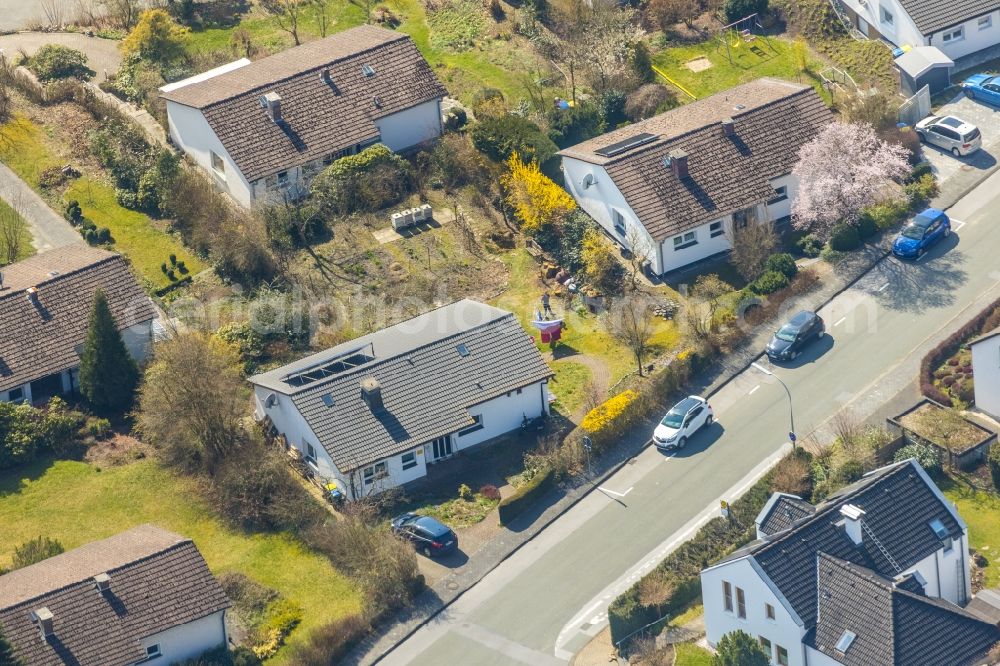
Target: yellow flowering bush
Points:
x,y
607,414
535,198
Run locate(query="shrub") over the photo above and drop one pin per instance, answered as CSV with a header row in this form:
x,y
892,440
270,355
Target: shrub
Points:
x,y
499,138
866,226
537,200
98,427
329,643
490,492
600,266
373,179
155,38
570,126
929,457
513,506
738,648
455,119
769,282
612,108
223,656
53,61
844,237
103,235
73,212
737,9
782,263
921,190
994,462
809,245
648,100
90,236
609,416
456,162
36,550
947,348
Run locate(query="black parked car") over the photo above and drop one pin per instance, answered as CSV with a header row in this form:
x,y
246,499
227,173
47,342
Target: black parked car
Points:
x,y
429,536
789,340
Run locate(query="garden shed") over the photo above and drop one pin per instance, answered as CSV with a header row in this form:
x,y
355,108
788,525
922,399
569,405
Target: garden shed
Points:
x,y
924,66
963,443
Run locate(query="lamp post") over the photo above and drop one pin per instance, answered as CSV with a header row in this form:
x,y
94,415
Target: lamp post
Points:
x,y
791,413
588,445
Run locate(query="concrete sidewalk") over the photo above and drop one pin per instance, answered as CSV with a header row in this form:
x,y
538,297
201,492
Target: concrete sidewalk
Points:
x,y
48,229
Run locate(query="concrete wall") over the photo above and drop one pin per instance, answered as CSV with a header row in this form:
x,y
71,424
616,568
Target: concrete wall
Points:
x,y
974,38
192,134
412,126
783,630
188,640
986,369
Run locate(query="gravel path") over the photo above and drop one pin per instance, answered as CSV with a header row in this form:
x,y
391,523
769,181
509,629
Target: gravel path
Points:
x,y
48,230
102,54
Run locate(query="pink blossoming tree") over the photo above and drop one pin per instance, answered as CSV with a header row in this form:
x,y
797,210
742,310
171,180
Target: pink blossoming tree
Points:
x,y
845,169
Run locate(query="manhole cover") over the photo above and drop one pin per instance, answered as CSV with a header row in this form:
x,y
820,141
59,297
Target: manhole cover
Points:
x,y
452,585
698,64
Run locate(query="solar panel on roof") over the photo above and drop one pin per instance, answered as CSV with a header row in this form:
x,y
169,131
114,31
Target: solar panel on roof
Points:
x,y
625,144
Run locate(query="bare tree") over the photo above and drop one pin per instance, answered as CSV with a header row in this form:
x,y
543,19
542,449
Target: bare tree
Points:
x,y
630,321
55,12
700,313
640,249
11,230
123,13
86,12
752,244
322,16
286,13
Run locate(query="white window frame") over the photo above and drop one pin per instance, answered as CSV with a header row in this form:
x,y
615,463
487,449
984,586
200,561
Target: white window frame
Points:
x,y
885,16
153,652
985,22
952,36
716,228
741,603
618,222
767,646
478,425
283,178
685,240
777,655
727,596
408,464
218,164
769,612
375,472
310,454
20,394
781,195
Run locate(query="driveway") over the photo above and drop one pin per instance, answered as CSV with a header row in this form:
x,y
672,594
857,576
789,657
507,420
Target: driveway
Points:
x,y
983,116
48,230
102,54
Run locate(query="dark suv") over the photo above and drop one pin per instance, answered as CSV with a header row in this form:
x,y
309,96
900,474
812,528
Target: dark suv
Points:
x,y
429,536
789,340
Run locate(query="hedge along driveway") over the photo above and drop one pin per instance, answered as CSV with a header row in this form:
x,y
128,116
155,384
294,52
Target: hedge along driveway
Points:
x,y
76,503
28,153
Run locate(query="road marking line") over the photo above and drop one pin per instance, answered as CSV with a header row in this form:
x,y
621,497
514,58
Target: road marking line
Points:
x,y
753,389
504,645
956,225
616,493
841,320
883,287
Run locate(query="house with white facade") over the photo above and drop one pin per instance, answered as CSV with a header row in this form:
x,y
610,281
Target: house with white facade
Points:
x,y
876,575
262,130
957,27
45,304
141,596
986,372
673,188
373,413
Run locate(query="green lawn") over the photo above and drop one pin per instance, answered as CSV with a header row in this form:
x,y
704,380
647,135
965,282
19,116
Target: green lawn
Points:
x,y
981,512
689,654
27,153
747,65
76,503
25,248
569,385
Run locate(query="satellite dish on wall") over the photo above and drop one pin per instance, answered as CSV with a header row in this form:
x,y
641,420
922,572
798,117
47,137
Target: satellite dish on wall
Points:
x,y
588,180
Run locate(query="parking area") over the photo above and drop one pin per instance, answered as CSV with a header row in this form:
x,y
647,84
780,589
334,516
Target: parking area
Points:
x,y
980,114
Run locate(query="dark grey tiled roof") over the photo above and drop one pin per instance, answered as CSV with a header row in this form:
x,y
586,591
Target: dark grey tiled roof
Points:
x,y
320,118
899,507
158,581
931,16
427,386
40,338
892,625
784,512
726,173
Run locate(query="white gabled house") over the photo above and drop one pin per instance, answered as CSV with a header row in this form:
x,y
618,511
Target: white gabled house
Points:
x,y
373,413
986,372
672,188
876,575
262,130
957,27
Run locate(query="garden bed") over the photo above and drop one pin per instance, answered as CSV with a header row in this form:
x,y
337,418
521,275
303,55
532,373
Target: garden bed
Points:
x,y
962,442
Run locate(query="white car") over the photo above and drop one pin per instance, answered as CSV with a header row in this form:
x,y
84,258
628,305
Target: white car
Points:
x,y
682,421
950,133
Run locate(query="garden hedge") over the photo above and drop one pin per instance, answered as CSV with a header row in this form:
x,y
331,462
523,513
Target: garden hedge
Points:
x,y
949,346
513,506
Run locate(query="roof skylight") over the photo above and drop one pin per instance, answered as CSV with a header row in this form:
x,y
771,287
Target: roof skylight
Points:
x,y
846,640
939,530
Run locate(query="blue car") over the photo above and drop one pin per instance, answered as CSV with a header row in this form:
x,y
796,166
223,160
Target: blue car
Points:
x,y
923,231
985,87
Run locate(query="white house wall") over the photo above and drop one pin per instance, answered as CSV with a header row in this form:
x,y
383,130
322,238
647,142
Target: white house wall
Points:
x,y
986,370
506,413
783,630
816,658
973,39
190,640
191,133
947,574
902,31
412,126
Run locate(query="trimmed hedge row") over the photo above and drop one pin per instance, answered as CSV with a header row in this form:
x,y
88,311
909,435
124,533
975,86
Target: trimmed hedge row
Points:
x,y
949,346
513,506
682,568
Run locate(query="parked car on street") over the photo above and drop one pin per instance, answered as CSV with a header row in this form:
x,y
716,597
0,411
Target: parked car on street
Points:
x,y
950,133
682,421
923,231
984,87
428,535
789,340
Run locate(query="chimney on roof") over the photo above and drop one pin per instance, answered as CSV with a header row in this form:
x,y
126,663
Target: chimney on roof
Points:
x,y
324,75
103,582
371,393
44,618
271,103
679,163
728,127
852,522
32,294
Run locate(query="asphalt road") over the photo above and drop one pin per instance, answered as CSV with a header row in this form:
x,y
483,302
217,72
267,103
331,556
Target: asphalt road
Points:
x,y
544,603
